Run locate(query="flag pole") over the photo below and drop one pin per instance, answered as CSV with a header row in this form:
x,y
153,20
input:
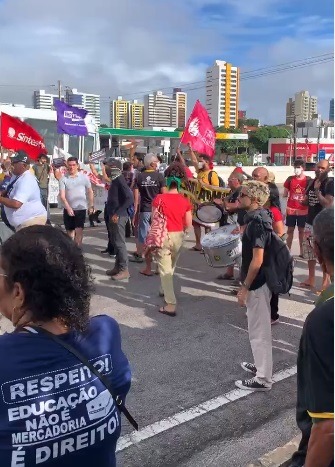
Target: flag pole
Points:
x,y
60,136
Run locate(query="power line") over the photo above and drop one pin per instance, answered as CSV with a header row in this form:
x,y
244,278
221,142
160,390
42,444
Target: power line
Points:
x,y
252,74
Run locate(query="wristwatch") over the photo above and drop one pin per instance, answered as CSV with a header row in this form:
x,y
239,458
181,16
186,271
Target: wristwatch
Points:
x,y
245,285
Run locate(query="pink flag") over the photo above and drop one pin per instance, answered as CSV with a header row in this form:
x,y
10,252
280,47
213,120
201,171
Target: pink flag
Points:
x,y
199,131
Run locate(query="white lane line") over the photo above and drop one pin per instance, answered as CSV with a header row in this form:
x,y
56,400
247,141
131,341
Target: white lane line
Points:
x,y
291,324
283,342
284,350
237,327
190,414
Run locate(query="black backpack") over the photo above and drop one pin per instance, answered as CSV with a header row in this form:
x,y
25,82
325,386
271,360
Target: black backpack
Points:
x,y
221,182
278,265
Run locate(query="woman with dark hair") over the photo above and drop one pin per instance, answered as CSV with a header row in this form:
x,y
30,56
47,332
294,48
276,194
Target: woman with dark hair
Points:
x,y
54,408
178,213
279,228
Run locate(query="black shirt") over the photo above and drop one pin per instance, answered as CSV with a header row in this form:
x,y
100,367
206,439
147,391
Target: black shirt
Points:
x,y
233,217
316,362
256,235
120,197
314,207
149,183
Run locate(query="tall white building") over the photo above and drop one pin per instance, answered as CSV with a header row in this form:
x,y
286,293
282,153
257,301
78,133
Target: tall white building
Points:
x,y
159,110
304,107
82,100
44,100
222,94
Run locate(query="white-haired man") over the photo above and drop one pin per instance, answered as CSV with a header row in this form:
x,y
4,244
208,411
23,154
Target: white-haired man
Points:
x,y
254,292
148,185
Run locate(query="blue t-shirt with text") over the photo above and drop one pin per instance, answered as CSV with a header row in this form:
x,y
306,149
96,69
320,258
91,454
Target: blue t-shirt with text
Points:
x,y
53,410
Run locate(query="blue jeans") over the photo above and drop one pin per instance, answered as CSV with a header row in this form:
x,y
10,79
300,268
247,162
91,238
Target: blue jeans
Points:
x,y
143,226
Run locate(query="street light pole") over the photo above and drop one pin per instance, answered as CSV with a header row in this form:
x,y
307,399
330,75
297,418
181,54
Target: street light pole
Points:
x,y
294,138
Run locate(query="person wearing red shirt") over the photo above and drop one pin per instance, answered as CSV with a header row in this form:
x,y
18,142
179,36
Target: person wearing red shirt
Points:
x,y
178,212
296,212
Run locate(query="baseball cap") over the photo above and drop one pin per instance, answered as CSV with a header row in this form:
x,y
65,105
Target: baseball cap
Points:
x,y
20,156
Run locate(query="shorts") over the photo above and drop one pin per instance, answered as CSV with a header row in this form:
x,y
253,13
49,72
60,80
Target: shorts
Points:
x,y
143,226
293,220
74,222
308,243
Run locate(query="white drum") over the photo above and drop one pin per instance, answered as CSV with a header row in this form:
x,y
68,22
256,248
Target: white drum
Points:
x,y
221,247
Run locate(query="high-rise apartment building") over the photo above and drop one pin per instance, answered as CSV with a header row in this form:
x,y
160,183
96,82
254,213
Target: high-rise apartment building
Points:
x,y
126,114
82,100
303,107
331,110
159,110
44,100
136,115
222,94
290,106
119,113
181,107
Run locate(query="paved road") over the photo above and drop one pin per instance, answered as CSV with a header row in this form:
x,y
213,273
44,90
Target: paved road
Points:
x,y
183,363
184,368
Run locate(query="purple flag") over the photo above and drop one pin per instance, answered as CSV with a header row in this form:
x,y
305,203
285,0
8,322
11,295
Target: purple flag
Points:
x,y
71,120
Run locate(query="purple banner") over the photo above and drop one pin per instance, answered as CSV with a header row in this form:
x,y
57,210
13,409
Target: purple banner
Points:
x,y
70,120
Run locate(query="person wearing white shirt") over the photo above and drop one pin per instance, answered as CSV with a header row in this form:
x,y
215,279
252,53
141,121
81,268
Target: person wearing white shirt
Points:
x,y
22,200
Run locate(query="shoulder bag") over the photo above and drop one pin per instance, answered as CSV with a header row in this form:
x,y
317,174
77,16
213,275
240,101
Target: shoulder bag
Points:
x,y
118,399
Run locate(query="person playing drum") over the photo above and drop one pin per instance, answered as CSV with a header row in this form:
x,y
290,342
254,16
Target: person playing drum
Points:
x,y
234,215
206,175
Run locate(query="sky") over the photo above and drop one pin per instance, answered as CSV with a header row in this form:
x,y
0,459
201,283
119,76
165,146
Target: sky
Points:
x,y
131,47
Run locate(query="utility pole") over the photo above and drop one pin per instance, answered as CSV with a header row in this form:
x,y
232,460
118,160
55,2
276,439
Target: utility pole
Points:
x,y
59,89
294,138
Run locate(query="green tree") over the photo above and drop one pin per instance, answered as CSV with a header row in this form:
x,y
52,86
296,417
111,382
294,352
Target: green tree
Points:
x,y
248,122
260,138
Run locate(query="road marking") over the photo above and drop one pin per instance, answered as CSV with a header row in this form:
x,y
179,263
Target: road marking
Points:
x,y
237,327
291,324
284,350
283,342
190,414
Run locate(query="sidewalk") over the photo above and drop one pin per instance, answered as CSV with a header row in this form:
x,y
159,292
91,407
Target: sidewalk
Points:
x,y
280,457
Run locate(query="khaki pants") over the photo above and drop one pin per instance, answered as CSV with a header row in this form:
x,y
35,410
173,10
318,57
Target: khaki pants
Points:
x,y
259,327
40,220
167,258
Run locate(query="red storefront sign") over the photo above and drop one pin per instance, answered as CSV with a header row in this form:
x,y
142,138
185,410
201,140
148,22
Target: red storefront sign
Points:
x,y
304,150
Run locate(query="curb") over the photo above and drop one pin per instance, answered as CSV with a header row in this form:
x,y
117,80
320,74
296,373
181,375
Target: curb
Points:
x,y
279,457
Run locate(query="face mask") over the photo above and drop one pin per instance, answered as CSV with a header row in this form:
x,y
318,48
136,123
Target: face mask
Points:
x,y
298,171
201,165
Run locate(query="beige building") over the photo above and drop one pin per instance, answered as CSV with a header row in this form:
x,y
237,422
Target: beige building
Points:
x,y
159,110
303,107
222,94
126,114
181,107
136,115
290,111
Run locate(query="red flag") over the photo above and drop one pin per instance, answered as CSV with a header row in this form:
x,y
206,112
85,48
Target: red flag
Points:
x,y
16,135
199,131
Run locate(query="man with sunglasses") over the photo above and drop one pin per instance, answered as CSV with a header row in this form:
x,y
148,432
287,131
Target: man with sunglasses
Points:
x,y
254,292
